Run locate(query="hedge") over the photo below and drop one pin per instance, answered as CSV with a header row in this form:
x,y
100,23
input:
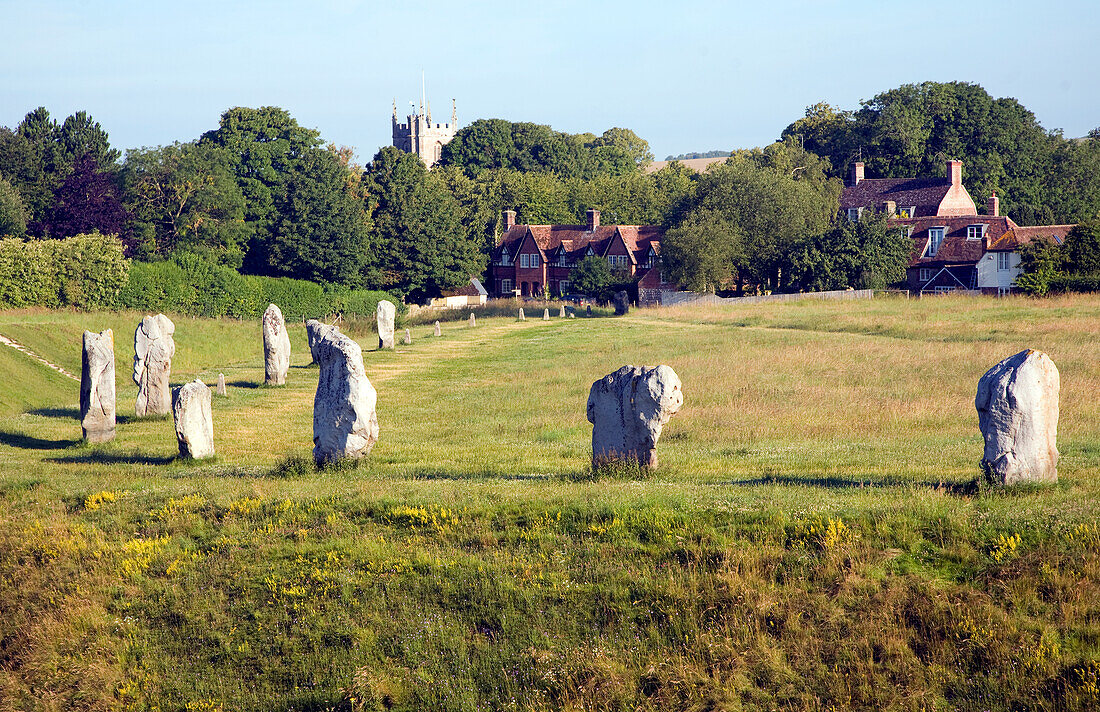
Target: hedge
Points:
x,y
1075,283
85,271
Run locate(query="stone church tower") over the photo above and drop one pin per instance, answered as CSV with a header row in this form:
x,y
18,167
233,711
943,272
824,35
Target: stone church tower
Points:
x,y
420,136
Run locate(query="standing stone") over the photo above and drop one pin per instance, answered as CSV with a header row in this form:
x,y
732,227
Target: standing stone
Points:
x,y
621,301
572,315
312,334
153,352
384,316
438,329
408,337
276,347
546,315
97,386
473,319
588,310
221,385
194,421
561,314
1017,404
628,409
521,316
345,424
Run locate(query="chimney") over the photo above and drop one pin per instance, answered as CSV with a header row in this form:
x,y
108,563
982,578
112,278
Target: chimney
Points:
x,y
955,172
593,219
993,206
890,208
857,172
509,220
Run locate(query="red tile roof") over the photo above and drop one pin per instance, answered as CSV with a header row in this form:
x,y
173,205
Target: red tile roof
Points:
x,y
576,239
925,194
1017,236
956,247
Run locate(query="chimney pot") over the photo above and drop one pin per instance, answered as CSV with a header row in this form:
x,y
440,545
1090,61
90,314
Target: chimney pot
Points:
x,y
993,207
857,172
593,219
509,220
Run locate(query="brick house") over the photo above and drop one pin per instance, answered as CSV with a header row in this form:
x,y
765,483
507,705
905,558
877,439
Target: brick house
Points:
x,y
529,259
954,248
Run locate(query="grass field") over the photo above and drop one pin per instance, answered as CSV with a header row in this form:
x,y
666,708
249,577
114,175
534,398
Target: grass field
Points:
x,y
810,541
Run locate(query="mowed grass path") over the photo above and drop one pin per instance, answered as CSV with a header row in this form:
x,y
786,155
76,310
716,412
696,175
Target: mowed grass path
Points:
x,y
801,507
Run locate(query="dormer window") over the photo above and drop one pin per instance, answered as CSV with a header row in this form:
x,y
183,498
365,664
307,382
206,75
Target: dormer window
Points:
x,y
907,212
975,232
854,214
650,257
590,253
559,261
505,258
935,238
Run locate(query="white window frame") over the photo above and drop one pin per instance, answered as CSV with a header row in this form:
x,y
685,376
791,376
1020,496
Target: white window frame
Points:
x,y
858,214
944,290
563,287
933,243
1004,261
904,213
925,274
535,261
523,261
971,229
506,286
560,260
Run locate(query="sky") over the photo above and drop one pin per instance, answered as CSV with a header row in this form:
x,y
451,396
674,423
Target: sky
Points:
x,y
685,76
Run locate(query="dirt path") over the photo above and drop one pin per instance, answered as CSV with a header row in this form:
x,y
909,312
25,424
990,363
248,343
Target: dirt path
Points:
x,y
20,347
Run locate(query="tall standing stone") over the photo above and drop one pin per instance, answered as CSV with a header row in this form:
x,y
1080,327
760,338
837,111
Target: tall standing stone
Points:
x,y
384,316
1017,405
194,421
153,352
345,424
276,346
561,312
221,385
473,320
546,314
522,317
621,302
313,328
438,329
97,386
588,310
408,337
628,409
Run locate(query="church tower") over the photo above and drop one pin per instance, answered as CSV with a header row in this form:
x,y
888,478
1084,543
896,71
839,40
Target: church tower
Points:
x,y
420,136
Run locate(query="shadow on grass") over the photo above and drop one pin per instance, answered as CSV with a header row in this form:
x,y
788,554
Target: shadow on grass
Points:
x,y
121,418
971,487
482,475
104,457
244,384
67,413
29,442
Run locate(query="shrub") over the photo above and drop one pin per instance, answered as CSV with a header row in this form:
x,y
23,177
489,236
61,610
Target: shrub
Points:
x,y
85,271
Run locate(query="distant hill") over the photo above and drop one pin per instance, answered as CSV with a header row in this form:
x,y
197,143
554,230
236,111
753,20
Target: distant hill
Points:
x,y
708,154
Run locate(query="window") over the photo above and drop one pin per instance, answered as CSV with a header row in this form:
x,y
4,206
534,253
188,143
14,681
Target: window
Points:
x,y
563,287
523,262
616,261
1004,261
925,274
505,260
650,257
505,286
854,213
975,232
935,237
944,290
905,231
560,261
536,261
907,212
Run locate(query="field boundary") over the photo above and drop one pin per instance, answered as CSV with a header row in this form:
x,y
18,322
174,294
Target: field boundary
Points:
x,y
20,347
675,299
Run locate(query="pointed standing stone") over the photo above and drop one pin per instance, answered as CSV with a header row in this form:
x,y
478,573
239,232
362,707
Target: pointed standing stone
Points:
x,y
221,384
312,334
1017,405
438,329
521,316
561,314
408,337
97,386
383,317
621,301
546,315
345,423
153,352
473,319
194,421
628,409
276,346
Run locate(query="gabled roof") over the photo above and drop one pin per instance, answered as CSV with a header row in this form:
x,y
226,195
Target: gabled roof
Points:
x,y
925,194
1017,236
576,239
956,248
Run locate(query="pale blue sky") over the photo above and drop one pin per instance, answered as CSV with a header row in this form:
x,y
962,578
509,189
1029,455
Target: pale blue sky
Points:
x,y
686,76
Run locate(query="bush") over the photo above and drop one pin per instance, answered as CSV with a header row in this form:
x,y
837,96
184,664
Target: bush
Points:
x,y
1075,283
85,271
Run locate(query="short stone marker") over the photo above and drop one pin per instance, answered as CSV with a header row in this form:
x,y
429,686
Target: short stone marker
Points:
x,y
384,315
561,314
153,352
546,315
221,385
194,421
438,329
276,346
345,423
572,315
628,409
521,316
97,386
408,337
1017,405
312,333
621,302
473,319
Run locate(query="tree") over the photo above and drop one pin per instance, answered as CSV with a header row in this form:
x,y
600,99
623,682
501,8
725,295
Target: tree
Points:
x,y
868,254
1041,262
701,252
13,216
88,201
1081,248
592,276
421,247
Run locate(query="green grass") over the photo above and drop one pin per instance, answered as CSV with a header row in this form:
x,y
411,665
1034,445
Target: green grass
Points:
x,y
808,542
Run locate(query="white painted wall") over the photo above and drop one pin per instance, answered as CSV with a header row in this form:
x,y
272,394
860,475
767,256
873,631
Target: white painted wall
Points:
x,y
989,277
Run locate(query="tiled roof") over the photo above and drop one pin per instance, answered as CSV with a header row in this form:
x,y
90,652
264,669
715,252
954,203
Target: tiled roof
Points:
x,y
576,239
1017,236
925,194
956,247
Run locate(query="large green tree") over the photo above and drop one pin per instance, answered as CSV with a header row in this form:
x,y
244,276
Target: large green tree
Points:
x,y
13,215
702,252
871,253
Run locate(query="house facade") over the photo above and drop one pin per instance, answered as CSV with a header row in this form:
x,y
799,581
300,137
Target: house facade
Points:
x,y
533,260
954,248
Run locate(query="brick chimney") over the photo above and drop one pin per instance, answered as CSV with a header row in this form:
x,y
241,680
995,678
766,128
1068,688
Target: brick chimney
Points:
x,y
955,172
593,219
857,173
993,206
509,220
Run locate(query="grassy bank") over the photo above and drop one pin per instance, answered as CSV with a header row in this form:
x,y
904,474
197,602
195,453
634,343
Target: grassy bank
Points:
x,y
805,544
